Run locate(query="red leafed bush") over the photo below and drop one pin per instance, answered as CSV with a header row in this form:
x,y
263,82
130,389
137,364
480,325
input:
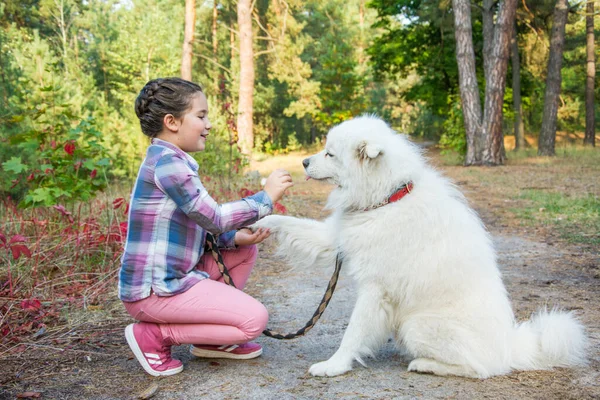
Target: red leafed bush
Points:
x,y
53,255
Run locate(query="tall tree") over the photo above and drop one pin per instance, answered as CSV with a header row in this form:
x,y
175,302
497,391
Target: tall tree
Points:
x,y
553,80
215,42
519,128
483,135
467,76
188,39
62,14
245,103
493,151
487,17
590,118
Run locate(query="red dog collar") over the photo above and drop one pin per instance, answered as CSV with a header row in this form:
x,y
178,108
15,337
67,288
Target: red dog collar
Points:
x,y
398,194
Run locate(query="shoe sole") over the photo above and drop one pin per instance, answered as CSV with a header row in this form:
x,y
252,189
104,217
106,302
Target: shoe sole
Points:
x,y
222,354
139,355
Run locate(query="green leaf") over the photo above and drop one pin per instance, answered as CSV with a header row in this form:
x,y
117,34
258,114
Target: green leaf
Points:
x,y
58,192
15,165
42,195
89,164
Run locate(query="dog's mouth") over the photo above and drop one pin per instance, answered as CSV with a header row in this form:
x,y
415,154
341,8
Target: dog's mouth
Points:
x,y
308,176
327,179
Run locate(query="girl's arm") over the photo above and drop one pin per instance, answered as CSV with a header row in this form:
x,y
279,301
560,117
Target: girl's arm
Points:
x,y
177,180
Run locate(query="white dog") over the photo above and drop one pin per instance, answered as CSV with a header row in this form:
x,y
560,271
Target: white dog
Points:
x,y
424,264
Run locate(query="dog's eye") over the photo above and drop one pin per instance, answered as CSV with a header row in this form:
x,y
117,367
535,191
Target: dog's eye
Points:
x,y
328,154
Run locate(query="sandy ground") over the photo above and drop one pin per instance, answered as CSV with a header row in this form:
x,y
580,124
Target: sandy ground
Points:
x,y
538,272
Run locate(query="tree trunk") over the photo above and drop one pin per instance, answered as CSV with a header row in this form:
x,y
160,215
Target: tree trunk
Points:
x,y
215,44
245,103
590,120
496,84
469,89
553,80
63,33
487,15
190,21
361,24
231,48
516,84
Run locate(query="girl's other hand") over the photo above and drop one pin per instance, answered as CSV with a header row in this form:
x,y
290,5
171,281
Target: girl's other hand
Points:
x,y
277,183
245,237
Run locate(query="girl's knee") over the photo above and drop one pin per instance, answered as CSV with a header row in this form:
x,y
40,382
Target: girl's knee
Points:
x,y
257,323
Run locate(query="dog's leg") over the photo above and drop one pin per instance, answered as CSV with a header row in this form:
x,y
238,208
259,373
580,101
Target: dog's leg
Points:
x,y
302,242
366,332
442,347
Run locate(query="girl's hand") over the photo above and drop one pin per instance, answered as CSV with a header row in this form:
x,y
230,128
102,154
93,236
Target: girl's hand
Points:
x,y
277,184
245,237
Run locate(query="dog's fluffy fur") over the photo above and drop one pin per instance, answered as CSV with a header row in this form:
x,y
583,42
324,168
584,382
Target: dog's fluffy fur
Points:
x,y
425,266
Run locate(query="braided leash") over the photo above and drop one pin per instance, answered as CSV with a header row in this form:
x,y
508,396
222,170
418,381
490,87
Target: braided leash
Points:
x,y
211,245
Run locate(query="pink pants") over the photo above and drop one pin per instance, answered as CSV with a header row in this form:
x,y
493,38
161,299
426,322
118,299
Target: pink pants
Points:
x,y
210,312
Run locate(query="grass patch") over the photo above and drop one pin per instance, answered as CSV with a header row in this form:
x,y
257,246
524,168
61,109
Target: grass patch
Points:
x,y
581,154
451,158
568,153
576,218
558,194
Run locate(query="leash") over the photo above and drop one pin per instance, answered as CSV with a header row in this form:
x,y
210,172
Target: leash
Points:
x,y
211,245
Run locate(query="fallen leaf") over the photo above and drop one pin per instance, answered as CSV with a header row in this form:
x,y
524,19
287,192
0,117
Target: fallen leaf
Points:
x,y
148,392
28,395
40,332
31,305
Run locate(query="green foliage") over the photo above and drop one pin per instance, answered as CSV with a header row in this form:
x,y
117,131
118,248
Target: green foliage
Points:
x,y
334,62
453,138
59,162
222,156
417,37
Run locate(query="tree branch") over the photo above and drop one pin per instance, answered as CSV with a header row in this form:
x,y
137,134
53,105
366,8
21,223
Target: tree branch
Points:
x,y
258,53
216,63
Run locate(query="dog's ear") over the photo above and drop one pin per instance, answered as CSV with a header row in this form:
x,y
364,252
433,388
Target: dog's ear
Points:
x,y
366,151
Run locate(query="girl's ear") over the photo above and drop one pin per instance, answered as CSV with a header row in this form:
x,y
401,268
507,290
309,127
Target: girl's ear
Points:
x,y
171,123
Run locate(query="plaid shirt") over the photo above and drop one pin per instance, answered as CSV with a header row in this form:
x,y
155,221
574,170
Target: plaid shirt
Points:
x,y
169,214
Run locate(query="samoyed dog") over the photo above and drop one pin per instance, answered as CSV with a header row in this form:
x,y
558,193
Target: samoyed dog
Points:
x,y
424,264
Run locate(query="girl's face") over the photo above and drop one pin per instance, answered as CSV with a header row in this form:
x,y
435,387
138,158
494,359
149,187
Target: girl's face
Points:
x,y
194,126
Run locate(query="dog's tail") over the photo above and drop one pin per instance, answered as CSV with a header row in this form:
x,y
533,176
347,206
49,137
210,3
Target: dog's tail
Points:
x,y
549,339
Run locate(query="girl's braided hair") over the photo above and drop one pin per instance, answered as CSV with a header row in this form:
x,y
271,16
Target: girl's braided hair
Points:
x,y
160,97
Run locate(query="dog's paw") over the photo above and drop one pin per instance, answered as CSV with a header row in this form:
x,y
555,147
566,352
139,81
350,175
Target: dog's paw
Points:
x,y
429,366
271,222
423,365
329,368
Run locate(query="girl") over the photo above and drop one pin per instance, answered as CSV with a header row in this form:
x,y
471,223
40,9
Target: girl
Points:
x,y
163,278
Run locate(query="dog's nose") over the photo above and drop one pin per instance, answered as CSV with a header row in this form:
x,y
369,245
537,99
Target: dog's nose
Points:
x,y
305,162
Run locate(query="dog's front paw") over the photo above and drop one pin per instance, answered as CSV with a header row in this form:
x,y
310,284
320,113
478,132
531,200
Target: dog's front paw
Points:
x,y
330,368
271,222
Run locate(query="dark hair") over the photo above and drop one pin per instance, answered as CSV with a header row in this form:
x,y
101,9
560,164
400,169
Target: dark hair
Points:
x,y
160,97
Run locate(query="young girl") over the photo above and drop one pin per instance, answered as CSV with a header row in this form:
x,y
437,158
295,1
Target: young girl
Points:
x,y
166,282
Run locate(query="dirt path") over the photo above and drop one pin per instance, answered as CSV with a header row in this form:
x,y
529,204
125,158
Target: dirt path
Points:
x,y
537,274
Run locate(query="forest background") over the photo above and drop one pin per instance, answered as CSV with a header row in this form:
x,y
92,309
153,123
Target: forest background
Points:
x,y
71,71
70,143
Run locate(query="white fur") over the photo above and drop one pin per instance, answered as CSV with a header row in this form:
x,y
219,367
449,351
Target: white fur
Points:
x,y
425,266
